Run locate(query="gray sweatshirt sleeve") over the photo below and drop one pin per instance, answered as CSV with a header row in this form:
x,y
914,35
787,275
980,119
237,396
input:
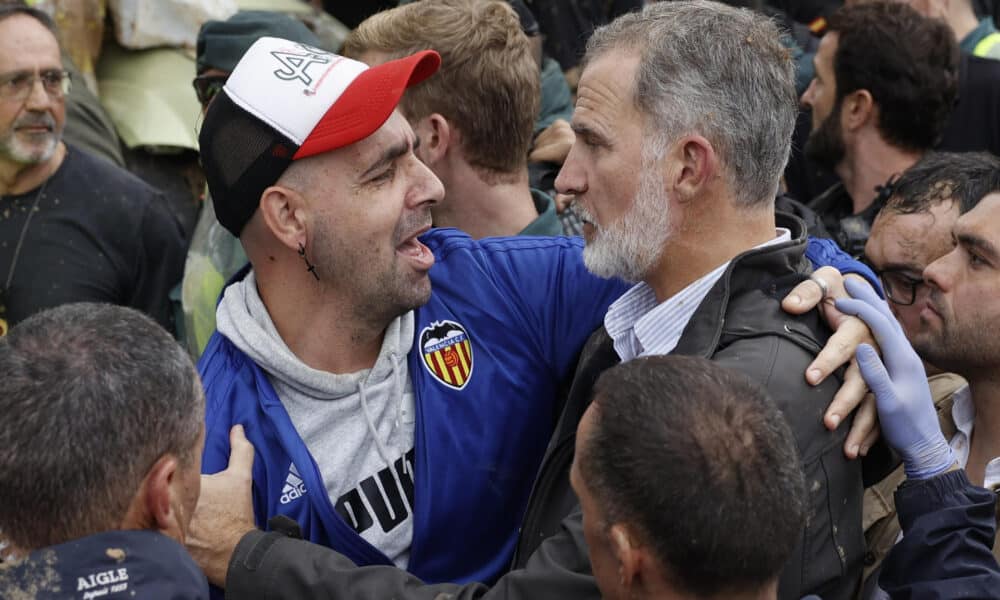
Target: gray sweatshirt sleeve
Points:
x,y
273,566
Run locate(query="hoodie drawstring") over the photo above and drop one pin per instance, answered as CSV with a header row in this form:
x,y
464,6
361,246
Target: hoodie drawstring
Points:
x,y
397,390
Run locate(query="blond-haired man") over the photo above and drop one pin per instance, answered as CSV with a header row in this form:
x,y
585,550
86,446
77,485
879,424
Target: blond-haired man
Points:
x,y
475,118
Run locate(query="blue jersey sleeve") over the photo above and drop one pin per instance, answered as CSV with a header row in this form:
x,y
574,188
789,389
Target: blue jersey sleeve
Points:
x,y
559,300
218,416
826,253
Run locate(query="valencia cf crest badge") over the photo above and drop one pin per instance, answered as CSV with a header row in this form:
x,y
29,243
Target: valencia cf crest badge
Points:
x,y
447,352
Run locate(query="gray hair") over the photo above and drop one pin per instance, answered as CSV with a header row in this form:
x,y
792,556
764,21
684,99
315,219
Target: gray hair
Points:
x,y
716,71
93,395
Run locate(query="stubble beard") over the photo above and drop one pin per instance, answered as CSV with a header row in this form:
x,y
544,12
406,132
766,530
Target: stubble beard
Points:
x,y
381,292
964,347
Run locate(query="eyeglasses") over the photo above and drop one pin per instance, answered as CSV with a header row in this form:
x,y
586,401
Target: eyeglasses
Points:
x,y
207,86
17,86
900,287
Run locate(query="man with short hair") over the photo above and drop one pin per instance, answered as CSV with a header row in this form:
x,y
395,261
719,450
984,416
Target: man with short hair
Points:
x,y
100,474
974,124
73,227
913,229
475,117
958,334
885,82
214,255
660,423
697,233
293,238
951,322
936,555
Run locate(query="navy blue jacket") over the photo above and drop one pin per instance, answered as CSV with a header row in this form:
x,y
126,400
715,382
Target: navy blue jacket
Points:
x,y
947,546
112,565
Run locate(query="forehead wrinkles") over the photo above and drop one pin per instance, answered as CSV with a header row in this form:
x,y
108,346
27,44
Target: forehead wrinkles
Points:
x,y
598,101
25,41
913,234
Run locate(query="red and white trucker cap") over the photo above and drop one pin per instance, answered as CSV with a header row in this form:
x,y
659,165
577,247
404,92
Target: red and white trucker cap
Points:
x,y
285,101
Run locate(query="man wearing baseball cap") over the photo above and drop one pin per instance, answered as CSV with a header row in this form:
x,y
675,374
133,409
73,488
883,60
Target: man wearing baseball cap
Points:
x,y
384,411
214,255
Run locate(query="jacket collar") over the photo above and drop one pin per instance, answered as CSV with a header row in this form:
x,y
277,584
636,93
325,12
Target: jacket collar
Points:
x,y
747,272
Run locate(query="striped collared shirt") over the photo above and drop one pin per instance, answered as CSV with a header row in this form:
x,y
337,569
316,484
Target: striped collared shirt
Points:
x,y
640,327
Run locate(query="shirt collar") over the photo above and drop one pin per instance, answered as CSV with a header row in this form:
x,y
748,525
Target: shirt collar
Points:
x,y
639,326
963,413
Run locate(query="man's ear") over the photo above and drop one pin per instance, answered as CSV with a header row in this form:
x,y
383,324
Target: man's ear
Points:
x,y
857,109
284,213
158,497
436,137
691,163
625,549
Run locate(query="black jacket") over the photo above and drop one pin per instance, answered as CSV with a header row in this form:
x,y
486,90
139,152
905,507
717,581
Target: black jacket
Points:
x,y
947,547
739,324
945,553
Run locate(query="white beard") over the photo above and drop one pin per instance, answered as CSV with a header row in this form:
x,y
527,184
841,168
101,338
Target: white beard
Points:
x,y
630,247
38,151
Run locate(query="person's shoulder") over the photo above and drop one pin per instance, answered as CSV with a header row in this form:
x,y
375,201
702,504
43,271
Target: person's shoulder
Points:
x,y
446,242
82,164
222,363
147,562
981,72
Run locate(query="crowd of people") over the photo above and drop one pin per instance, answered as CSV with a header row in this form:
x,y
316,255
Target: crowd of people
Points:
x,y
516,299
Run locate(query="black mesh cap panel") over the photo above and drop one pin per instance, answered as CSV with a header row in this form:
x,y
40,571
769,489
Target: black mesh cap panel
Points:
x,y
242,157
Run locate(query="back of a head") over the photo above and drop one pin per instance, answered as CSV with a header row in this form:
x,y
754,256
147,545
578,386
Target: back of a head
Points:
x,y
702,463
488,83
93,395
718,71
907,62
939,177
221,44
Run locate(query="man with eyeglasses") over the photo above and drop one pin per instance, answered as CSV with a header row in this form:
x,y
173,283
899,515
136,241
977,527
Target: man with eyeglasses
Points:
x,y
914,227
913,230
73,227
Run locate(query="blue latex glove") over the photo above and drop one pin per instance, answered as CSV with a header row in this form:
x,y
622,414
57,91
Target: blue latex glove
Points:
x,y
905,408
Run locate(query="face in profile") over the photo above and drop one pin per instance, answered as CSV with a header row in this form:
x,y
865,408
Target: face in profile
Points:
x,y
825,145
368,204
596,529
958,323
626,218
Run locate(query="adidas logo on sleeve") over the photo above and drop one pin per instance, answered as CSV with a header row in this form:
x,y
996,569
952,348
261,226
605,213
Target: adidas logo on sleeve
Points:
x,y
294,488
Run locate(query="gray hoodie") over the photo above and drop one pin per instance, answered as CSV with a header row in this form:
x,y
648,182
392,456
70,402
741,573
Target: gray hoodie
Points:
x,y
355,425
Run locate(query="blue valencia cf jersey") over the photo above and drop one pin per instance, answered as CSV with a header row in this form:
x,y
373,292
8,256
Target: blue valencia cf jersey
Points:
x,y
502,330
500,333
